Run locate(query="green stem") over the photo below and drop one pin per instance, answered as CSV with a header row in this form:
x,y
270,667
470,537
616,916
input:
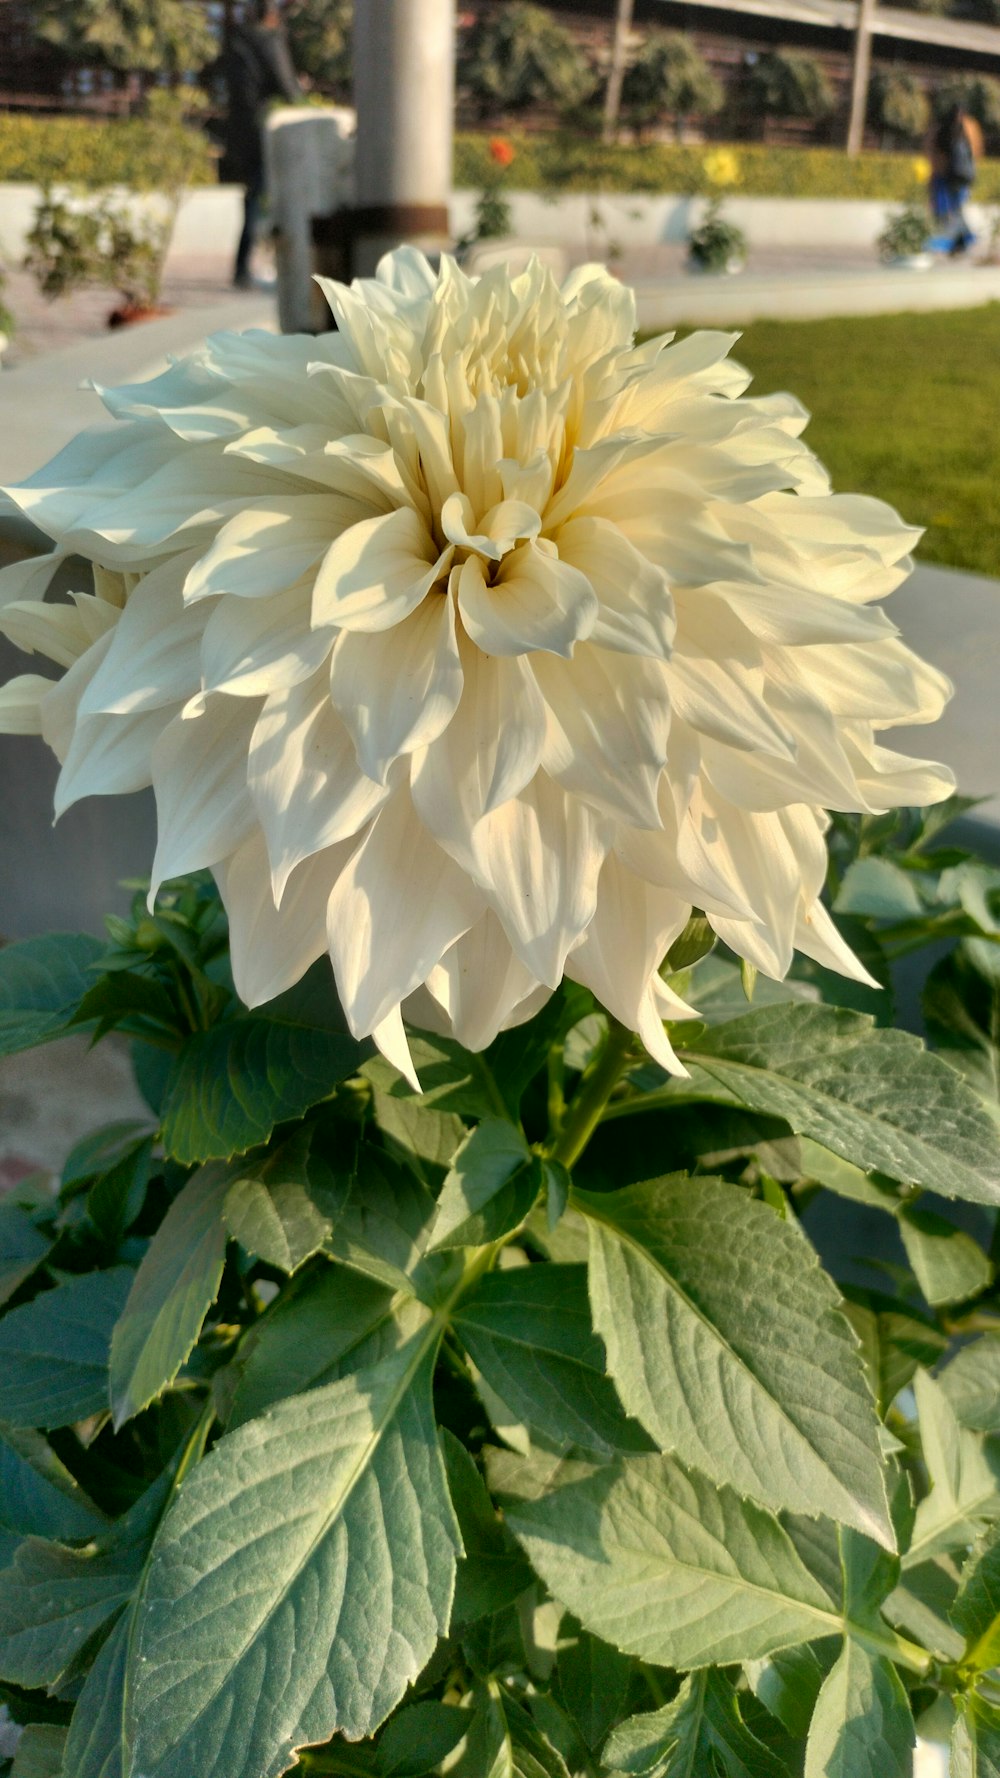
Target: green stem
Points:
x,y
884,1641
591,1097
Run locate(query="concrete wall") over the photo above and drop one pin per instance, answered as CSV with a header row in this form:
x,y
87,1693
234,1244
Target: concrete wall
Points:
x,y
208,221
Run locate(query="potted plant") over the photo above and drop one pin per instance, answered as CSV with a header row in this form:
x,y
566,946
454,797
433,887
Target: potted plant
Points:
x,y
716,244
903,241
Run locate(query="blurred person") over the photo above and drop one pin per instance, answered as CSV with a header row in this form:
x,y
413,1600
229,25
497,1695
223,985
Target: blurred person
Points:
x,y
956,146
257,67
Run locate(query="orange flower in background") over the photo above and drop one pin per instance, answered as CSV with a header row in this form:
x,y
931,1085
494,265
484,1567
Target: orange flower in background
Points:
x,y
501,151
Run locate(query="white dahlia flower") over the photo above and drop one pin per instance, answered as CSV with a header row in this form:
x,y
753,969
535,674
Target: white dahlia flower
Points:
x,y
476,645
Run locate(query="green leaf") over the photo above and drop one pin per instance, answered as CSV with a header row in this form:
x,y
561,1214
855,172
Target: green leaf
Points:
x,y
975,1741
231,1084
94,1742
40,1751
862,1726
503,1742
493,1183
299,1581
971,1381
54,1350
876,1097
415,1133
878,889
894,1341
383,1227
921,1606
453,1079
976,1611
965,1489
172,1293
54,1600
304,1339
682,1739
418,1738
116,1197
775,1403
492,1572
270,1206
657,1561
592,1682
42,981
787,1684
38,1496
949,1265
22,1248
529,1333
130,999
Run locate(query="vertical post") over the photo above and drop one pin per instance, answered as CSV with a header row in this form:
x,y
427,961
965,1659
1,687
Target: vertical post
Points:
x,y
616,73
404,91
859,75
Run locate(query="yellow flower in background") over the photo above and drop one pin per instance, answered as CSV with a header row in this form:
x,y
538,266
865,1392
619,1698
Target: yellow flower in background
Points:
x,y
722,166
921,168
474,645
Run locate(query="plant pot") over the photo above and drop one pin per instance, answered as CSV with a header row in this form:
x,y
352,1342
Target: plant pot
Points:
x,y
129,313
912,262
734,264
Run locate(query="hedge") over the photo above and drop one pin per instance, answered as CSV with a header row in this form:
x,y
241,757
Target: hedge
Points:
x,y
83,151
552,164
146,155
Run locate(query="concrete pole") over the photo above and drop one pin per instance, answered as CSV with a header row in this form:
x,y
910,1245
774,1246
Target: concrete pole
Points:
x,y
404,91
860,75
616,72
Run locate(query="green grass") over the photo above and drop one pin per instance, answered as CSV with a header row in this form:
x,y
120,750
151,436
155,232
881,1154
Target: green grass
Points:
x,y
906,407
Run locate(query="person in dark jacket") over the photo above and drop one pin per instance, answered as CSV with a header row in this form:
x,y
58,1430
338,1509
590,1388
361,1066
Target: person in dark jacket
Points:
x,y
954,169
257,67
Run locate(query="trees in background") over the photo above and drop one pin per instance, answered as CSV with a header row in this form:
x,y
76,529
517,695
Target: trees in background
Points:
x,y
899,106
522,56
130,36
789,83
319,35
669,75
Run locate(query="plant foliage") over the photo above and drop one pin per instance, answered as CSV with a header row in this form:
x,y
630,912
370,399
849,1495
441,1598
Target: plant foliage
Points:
x,y
789,83
530,1426
669,75
519,56
130,36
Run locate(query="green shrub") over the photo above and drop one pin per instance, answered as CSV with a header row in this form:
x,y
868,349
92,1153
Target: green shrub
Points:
x,y
522,57
144,153
978,94
899,105
715,244
555,164
71,246
319,34
906,234
669,75
787,83
151,36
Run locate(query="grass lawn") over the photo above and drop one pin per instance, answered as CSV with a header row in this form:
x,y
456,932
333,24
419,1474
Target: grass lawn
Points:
x,y
906,407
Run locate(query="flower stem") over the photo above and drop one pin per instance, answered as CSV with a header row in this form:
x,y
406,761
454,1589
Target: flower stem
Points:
x,y
592,1095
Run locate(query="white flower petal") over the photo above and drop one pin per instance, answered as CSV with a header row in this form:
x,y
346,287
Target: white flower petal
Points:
x,y
271,950
199,770
252,648
377,572
153,658
480,982
537,860
29,579
397,691
535,602
490,750
632,930
307,787
394,911
608,727
268,546
20,704
636,610
57,631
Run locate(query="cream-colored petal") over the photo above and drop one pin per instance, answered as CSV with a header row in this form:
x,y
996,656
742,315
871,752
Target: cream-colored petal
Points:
x,y
398,690
394,911
199,771
307,788
636,610
377,572
271,949
20,704
608,728
535,602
